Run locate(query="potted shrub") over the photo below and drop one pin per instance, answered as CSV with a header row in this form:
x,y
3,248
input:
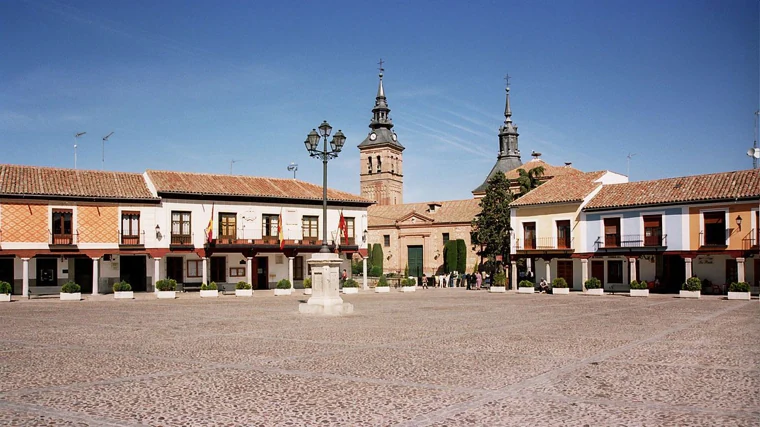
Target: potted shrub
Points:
x,y
122,290
210,290
499,283
559,286
594,286
639,289
692,288
283,287
739,290
70,291
243,289
166,289
307,286
350,286
5,291
408,285
525,287
382,285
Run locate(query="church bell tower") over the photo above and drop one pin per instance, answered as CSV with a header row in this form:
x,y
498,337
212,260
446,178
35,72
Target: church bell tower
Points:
x,y
381,174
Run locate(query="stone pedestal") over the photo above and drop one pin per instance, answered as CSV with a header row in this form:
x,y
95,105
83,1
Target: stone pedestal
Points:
x,y
325,277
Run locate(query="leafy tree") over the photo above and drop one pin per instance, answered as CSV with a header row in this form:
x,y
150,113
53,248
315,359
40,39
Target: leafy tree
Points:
x,y
377,257
450,256
529,179
461,256
369,256
491,227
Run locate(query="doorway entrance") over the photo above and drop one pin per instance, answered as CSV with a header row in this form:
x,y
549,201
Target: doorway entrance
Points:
x,y
565,271
47,271
597,270
83,274
132,270
174,269
261,278
219,269
673,273
6,270
414,257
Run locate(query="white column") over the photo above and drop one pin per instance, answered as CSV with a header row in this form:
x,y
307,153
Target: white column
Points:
x,y
632,265
205,270
25,277
548,271
95,278
156,272
249,270
290,270
688,267
514,276
365,286
585,265
740,270
529,265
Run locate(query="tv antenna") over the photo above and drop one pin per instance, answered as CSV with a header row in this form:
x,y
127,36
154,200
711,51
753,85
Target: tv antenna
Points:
x,y
103,152
628,168
754,152
76,136
292,167
232,162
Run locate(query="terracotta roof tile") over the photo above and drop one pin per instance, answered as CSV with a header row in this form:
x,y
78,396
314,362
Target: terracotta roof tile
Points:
x,y
168,182
452,211
549,170
696,188
42,181
568,188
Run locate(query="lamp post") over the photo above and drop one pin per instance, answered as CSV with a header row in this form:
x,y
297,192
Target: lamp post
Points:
x,y
312,146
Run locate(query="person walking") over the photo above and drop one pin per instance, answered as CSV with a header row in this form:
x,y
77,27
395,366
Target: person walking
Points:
x,y
424,281
478,280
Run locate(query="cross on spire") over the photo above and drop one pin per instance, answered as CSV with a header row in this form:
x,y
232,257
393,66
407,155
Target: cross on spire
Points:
x,y
381,65
506,78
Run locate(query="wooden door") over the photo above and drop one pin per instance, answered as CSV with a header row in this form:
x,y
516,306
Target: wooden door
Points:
x,y
597,270
563,235
83,274
219,269
47,272
414,257
611,232
174,269
565,271
529,232
132,269
261,278
653,230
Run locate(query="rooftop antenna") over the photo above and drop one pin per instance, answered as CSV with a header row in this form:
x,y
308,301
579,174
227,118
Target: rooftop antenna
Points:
x,y
754,152
628,168
103,152
76,136
232,162
292,167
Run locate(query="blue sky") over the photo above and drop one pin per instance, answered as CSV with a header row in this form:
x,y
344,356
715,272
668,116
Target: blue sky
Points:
x,y
191,85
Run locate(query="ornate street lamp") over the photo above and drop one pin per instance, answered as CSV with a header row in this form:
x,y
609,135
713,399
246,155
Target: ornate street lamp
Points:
x,y
312,146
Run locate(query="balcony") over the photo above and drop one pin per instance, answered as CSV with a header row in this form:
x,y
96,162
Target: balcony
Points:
x,y
713,240
612,242
62,240
750,242
182,241
132,240
545,244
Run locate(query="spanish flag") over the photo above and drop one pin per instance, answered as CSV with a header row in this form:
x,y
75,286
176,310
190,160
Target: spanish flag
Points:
x,y
279,231
343,228
210,228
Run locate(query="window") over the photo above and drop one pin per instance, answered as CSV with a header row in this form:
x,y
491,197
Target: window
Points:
x,y
180,228
269,225
194,268
237,272
529,233
310,227
611,232
62,219
350,231
445,238
369,165
386,240
227,226
653,230
563,235
298,268
130,228
715,229
379,164
614,271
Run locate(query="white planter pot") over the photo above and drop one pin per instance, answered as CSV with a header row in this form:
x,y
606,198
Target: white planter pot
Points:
x,y
307,291
5,297
599,291
166,294
243,292
211,293
739,295
525,290
350,290
408,288
282,292
498,289
560,291
382,289
71,297
124,295
690,294
639,292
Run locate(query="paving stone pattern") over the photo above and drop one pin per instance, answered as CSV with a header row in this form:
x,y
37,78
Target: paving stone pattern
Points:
x,y
436,357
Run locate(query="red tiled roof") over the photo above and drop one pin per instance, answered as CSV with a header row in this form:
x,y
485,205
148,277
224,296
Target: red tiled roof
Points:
x,y
55,182
568,188
695,188
167,182
452,211
549,170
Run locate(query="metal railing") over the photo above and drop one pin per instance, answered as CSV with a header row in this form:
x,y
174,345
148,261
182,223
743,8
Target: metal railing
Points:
x,y
750,241
181,239
259,236
611,241
712,239
544,243
66,239
132,239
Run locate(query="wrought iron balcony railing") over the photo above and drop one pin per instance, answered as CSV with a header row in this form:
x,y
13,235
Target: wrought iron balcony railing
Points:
x,y
132,239
63,239
544,243
612,241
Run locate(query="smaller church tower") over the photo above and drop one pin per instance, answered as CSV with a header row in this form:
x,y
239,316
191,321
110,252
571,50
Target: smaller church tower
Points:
x,y
381,175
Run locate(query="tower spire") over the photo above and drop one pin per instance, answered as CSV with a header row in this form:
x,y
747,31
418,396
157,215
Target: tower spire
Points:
x,y
507,108
380,90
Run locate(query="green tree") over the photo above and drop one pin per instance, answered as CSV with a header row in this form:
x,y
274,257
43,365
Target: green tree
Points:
x,y
529,179
369,257
491,227
377,256
450,256
461,256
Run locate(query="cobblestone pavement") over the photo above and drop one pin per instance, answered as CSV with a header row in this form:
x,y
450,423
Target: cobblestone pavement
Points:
x,y
437,357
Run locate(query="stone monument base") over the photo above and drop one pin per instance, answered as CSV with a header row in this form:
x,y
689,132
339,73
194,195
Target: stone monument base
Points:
x,y
325,298
330,310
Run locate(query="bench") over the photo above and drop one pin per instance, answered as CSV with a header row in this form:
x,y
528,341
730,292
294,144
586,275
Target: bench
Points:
x,y
616,288
226,288
184,287
43,290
